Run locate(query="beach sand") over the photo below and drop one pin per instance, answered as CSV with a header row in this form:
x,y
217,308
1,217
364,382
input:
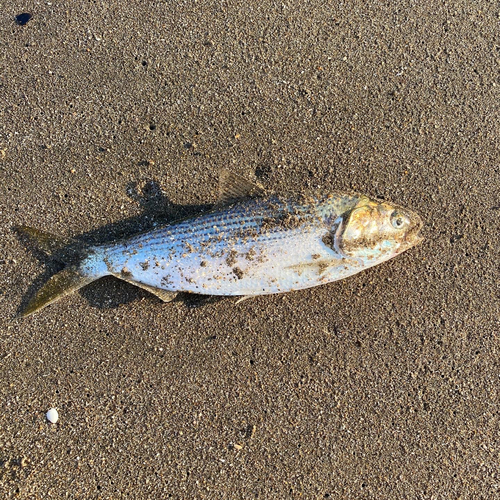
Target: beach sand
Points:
x,y
117,115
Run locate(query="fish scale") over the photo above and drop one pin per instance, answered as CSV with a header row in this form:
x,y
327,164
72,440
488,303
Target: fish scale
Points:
x,y
202,228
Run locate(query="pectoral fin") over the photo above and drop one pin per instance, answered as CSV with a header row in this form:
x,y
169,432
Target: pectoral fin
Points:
x,y
320,266
333,237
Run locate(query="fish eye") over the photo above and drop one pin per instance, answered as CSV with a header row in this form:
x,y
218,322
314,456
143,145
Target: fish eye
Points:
x,y
399,220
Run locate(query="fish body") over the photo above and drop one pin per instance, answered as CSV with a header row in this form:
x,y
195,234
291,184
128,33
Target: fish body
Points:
x,y
256,246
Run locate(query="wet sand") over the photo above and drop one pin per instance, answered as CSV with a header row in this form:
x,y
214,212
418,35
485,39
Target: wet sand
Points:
x,y
116,115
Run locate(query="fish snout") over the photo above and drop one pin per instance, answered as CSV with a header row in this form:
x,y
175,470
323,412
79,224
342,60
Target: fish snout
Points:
x,y
412,235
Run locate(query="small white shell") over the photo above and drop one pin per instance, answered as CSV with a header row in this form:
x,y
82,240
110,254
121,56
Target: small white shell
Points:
x,y
52,416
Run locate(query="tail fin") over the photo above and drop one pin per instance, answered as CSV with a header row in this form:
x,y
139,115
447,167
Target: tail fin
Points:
x,y
61,284
70,279
47,242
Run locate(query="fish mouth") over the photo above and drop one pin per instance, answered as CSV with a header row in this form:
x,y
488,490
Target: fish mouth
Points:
x,y
413,236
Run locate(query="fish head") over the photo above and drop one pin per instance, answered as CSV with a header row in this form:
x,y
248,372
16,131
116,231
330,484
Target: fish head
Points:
x,y
375,231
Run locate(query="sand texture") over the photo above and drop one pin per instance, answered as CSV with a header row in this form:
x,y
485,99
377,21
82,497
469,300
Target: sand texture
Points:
x,y
115,115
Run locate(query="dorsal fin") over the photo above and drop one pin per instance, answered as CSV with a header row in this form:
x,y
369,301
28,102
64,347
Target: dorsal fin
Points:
x,y
233,187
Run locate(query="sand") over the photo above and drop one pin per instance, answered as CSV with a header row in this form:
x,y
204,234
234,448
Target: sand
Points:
x,y
117,115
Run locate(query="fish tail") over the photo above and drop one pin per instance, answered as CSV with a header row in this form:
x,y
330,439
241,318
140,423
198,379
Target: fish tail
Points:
x,y
82,267
61,284
47,242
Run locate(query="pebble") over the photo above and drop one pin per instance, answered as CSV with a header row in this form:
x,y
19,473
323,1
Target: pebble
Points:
x,y
23,18
52,416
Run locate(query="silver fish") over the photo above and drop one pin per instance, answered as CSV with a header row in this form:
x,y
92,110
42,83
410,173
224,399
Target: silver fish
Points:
x,y
257,245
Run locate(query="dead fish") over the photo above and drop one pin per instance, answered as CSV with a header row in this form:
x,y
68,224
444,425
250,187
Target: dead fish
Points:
x,y
252,244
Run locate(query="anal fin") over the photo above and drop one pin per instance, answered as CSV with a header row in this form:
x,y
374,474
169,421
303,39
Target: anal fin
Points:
x,y
163,295
245,297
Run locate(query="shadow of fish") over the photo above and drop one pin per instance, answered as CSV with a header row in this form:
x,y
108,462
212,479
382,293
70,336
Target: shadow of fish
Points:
x,y
251,244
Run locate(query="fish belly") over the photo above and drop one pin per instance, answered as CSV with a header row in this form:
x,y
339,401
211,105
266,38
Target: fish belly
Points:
x,y
259,267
